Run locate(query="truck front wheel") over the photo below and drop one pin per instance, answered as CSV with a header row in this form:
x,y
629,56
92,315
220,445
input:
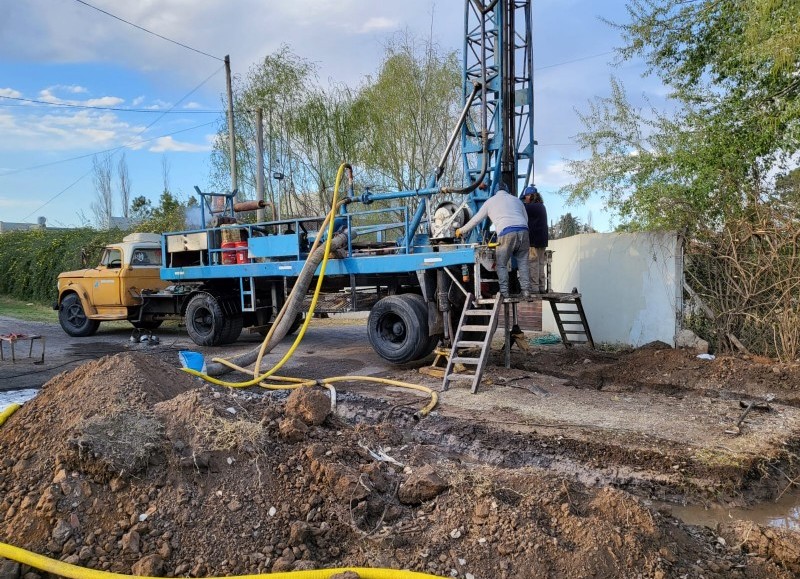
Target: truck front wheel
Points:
x,y
73,319
205,321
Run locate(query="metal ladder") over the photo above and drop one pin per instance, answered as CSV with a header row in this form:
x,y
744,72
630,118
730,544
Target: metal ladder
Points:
x,y
247,291
570,319
479,319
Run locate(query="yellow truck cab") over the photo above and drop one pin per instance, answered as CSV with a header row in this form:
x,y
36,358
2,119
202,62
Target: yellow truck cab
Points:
x,y
112,290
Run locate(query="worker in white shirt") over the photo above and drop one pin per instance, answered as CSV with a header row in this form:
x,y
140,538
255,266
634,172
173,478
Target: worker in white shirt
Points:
x,y
511,223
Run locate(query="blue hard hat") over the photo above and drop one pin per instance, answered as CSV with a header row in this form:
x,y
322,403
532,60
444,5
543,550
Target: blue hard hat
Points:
x,y
530,190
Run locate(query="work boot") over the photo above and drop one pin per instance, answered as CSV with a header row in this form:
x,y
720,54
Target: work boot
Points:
x,y
526,295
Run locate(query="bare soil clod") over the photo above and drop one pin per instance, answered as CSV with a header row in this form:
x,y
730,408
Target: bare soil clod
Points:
x,y
129,465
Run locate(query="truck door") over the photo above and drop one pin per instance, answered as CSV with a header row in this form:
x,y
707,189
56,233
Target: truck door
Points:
x,y
105,279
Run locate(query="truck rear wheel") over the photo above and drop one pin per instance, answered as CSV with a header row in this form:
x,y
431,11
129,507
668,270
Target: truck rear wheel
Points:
x,y
205,320
233,329
429,345
73,319
397,330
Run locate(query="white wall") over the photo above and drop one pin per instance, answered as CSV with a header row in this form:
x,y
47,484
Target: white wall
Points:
x,y
630,283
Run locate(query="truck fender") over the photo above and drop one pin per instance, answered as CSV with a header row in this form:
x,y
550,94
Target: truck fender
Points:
x,y
80,291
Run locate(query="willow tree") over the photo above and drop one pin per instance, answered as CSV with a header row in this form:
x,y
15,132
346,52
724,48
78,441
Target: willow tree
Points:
x,y
410,108
279,85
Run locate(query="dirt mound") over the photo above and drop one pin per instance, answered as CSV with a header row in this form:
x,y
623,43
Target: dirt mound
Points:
x,y
127,464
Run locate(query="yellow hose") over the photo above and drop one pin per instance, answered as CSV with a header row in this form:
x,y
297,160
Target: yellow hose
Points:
x,y
8,412
309,315
74,572
299,382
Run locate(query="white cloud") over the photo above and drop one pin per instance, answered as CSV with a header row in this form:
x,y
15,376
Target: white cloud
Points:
x,y
377,23
10,92
106,101
168,144
67,130
554,175
192,105
137,101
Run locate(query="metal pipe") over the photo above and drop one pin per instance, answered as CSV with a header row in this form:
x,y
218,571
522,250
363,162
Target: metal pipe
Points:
x,y
260,163
484,114
456,131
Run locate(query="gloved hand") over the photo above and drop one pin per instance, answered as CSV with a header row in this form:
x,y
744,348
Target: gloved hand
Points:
x,y
458,233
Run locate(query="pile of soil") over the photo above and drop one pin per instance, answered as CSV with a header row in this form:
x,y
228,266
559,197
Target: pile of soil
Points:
x,y
129,465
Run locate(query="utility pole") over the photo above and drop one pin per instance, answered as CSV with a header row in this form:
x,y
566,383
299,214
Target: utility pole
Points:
x,y
231,134
261,214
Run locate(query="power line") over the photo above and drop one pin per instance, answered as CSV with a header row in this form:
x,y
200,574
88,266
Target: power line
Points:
x,y
148,31
573,60
111,150
130,142
79,179
98,108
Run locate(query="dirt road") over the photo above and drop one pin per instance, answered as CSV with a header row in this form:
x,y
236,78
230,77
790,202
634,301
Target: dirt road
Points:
x,y
654,424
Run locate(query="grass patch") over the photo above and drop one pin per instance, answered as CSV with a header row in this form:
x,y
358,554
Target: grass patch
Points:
x,y
27,311
714,458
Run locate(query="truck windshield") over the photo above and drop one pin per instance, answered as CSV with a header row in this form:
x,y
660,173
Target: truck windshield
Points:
x,y
146,256
112,258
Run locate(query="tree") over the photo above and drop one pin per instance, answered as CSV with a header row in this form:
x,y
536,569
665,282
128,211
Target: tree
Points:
x,y
567,226
708,167
392,128
103,206
735,119
411,108
124,186
278,85
141,209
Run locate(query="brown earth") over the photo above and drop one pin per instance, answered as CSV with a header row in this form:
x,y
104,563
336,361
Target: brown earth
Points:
x,y
554,469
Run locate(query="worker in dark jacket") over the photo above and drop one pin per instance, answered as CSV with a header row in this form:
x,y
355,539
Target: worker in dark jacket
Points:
x,y
538,234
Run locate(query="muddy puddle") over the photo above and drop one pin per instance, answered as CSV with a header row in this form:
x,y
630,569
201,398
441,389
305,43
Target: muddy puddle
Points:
x,y
783,513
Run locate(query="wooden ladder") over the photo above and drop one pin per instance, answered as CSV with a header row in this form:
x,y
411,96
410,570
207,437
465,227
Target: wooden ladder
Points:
x,y
570,319
480,319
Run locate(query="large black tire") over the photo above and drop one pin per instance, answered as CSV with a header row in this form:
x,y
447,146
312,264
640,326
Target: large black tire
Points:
x,y
147,324
73,319
233,329
418,302
205,320
396,329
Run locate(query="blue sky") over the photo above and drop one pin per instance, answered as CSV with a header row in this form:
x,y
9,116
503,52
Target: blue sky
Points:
x,y
66,52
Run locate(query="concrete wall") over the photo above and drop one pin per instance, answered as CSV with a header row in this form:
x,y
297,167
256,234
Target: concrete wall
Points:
x,y
631,284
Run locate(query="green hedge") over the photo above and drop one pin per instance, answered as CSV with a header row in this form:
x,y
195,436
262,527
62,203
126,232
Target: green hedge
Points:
x,y
30,261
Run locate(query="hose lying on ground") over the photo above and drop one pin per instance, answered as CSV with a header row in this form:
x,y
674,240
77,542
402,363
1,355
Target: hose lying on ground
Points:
x,y
74,572
8,412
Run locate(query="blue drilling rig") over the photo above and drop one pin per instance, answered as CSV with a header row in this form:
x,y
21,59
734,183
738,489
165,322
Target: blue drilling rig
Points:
x,y
403,264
